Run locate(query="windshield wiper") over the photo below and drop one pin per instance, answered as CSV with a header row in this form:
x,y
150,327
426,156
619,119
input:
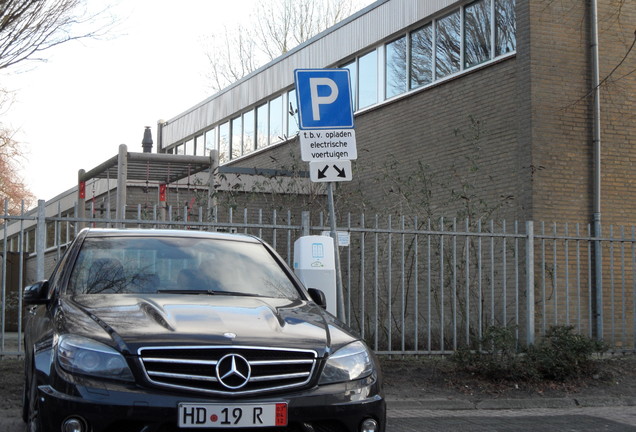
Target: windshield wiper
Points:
x,y
208,292
182,291
235,293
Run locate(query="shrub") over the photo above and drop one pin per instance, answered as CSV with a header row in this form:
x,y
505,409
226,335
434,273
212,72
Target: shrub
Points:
x,y
562,354
496,358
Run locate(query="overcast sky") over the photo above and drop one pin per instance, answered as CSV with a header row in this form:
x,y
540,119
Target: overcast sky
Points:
x,y
73,111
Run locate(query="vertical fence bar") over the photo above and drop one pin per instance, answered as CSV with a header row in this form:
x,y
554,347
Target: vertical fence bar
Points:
x,y
289,238
403,283
441,284
567,276
504,275
3,288
612,304
578,277
454,284
21,275
362,274
590,283
492,273
598,280
623,296
530,318
517,286
428,287
389,284
467,281
480,312
633,243
40,240
376,283
555,283
349,287
544,304
416,277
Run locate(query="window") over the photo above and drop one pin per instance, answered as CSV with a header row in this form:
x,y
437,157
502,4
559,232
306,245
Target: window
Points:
x,y
396,67
210,141
50,234
237,137
179,149
262,127
224,142
447,45
292,114
276,120
353,77
505,26
189,147
249,133
199,147
29,241
477,33
421,56
368,80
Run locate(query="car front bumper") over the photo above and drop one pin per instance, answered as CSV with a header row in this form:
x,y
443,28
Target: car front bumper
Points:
x,y
120,408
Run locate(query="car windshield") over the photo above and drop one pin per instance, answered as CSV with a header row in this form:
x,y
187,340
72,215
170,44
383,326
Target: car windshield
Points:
x,y
119,265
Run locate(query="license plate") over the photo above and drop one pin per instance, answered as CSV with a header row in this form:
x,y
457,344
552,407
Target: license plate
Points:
x,y
193,415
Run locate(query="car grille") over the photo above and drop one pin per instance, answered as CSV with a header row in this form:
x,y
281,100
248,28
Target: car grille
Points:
x,y
228,370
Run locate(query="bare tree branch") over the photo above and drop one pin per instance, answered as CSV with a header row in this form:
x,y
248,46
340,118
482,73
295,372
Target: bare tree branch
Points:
x,y
30,27
276,26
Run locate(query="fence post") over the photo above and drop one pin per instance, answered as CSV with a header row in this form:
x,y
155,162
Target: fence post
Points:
x,y
122,180
40,240
305,223
530,283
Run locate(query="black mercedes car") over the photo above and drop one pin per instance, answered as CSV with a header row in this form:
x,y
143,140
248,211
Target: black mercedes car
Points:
x,y
160,330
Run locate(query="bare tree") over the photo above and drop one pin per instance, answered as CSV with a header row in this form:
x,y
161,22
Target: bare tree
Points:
x,y
12,187
231,56
29,27
275,27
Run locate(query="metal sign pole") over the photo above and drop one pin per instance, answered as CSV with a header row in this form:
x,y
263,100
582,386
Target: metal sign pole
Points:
x,y
340,310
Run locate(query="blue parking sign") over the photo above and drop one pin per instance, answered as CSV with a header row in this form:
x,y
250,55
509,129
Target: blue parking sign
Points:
x,y
324,98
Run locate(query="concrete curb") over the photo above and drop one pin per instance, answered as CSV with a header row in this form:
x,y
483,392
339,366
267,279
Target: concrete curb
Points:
x,y
508,404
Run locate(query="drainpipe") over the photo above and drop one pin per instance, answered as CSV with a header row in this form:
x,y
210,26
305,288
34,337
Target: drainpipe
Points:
x,y
596,148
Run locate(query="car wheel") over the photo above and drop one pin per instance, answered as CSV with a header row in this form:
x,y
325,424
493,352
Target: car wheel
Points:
x,y
31,410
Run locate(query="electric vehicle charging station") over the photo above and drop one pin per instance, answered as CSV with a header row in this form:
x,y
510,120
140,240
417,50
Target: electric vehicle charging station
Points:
x,y
315,266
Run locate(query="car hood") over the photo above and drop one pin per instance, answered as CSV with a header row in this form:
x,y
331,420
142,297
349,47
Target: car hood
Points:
x,y
135,321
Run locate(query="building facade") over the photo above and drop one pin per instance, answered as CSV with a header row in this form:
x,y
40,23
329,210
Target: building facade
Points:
x,y
475,108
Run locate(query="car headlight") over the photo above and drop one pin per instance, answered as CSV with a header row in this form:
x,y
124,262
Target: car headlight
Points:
x,y
348,363
77,354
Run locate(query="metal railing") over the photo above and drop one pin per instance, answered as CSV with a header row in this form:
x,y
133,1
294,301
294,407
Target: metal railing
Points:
x,y
411,286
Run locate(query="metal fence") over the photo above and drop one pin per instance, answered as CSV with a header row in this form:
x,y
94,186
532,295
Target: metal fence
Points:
x,y
411,286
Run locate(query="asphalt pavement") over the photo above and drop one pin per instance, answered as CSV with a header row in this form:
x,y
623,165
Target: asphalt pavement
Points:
x,y
494,415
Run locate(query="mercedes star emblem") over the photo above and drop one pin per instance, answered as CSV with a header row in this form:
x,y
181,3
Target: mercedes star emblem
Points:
x,y
233,371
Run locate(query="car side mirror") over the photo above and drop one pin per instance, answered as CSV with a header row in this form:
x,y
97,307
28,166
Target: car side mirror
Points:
x,y
37,293
318,297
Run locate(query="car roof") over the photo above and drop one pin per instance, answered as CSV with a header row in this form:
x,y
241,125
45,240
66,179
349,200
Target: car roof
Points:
x,y
151,232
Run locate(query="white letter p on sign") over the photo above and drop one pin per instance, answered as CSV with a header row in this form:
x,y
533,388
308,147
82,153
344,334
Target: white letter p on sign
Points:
x,y
316,100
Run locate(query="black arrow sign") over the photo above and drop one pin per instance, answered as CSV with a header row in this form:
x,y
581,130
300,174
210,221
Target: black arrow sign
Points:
x,y
341,172
321,172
